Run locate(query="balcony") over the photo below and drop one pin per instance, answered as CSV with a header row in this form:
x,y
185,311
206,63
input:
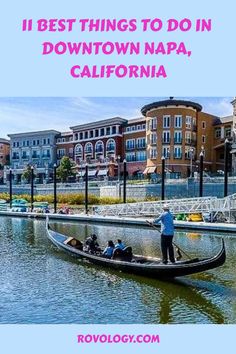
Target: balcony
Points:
x,y
15,158
35,156
25,157
47,156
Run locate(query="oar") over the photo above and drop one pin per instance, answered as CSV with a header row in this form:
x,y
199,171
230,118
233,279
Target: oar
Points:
x,y
177,247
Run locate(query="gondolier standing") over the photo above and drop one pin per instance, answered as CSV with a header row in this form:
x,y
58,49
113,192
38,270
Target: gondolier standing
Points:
x,y
167,234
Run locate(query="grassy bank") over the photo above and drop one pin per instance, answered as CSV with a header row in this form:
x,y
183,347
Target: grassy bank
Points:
x,y
70,198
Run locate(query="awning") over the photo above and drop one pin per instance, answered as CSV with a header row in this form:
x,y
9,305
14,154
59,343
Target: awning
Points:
x,y
92,173
145,172
152,169
102,172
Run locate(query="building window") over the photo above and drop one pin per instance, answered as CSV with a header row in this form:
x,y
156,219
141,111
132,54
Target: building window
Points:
x,y
177,152
91,133
46,153
108,131
144,126
188,122
141,143
188,139
128,129
178,121
178,137
190,153
130,156
141,156
203,138
166,121
228,132
99,147
153,123
86,135
130,144
60,153
113,130
81,136
166,152
153,139
133,128
203,125
166,136
79,150
111,146
44,141
153,153
88,149
139,127
218,133
34,142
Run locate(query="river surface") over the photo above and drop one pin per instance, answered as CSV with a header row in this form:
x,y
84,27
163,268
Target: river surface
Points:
x,y
41,284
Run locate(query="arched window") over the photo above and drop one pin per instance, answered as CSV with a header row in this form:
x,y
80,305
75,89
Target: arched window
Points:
x,y
111,146
88,149
99,147
78,150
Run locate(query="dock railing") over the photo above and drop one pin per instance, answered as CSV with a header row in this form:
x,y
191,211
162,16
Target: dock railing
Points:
x,y
216,206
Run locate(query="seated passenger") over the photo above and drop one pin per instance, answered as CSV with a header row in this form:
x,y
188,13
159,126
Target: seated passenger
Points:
x,y
91,244
108,251
119,245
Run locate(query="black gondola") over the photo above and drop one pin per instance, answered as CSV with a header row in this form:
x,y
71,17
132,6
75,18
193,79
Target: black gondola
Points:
x,y
140,265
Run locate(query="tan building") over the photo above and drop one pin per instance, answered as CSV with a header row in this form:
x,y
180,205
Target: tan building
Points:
x,y
178,130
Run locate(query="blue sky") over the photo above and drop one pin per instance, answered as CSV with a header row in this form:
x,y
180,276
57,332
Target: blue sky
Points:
x,y
59,113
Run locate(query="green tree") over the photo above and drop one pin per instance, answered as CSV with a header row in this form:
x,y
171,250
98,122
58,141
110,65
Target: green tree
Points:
x,y
26,175
65,169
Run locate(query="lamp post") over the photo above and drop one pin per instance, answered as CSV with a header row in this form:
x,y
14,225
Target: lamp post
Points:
x,y
55,186
10,187
118,161
163,160
32,188
201,174
86,188
226,156
191,162
124,181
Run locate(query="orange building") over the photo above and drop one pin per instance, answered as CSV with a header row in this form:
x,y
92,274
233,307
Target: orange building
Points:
x,y
178,130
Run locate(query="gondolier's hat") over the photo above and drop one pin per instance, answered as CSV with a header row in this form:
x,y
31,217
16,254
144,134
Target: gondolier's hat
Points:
x,y
166,207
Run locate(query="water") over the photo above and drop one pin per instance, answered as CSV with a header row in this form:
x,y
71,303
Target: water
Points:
x,y
40,284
